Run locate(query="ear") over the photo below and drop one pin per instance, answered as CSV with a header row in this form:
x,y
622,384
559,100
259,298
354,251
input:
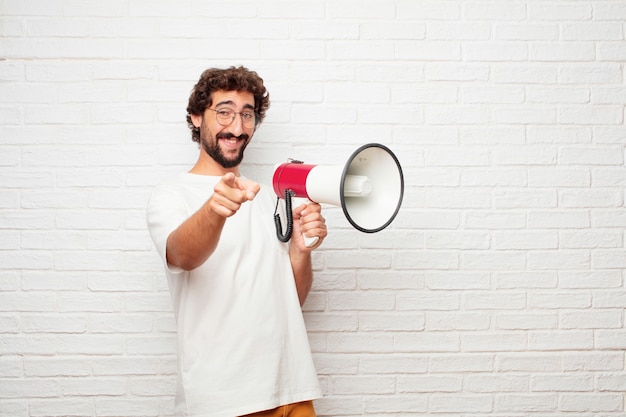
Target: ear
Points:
x,y
196,119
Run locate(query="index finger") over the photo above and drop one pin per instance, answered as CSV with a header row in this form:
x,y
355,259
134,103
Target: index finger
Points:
x,y
250,187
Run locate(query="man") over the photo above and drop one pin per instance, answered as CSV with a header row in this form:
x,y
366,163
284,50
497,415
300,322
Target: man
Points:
x,y
236,290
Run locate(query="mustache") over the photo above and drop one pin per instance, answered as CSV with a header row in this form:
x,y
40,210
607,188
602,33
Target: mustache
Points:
x,y
227,135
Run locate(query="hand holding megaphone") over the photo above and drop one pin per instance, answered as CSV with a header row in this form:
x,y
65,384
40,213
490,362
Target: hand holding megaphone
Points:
x,y
369,188
307,214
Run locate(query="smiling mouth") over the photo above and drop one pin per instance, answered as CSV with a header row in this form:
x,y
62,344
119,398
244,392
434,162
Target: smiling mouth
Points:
x,y
232,138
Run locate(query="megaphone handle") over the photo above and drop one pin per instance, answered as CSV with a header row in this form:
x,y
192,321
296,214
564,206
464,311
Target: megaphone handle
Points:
x,y
308,241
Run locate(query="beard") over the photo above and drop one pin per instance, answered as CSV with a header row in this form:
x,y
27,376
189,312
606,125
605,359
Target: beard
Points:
x,y
212,148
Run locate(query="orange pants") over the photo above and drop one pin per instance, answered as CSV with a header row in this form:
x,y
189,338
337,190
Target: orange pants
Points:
x,y
303,409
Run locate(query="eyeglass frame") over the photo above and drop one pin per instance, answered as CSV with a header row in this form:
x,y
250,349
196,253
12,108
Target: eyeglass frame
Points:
x,y
234,114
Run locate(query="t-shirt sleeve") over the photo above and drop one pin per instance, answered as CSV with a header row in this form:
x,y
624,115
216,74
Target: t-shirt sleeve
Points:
x,y
166,211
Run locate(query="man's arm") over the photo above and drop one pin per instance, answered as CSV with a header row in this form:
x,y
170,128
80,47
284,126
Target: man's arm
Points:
x,y
307,219
196,239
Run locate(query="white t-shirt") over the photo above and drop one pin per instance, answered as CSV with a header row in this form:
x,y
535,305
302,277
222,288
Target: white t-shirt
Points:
x,y
242,344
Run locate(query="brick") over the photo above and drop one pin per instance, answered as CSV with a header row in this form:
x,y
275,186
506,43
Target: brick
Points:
x,y
415,342
457,281
400,30
527,32
591,198
578,239
361,300
136,323
592,31
466,321
429,384
527,402
27,301
612,340
560,134
591,320
347,260
331,322
561,340
458,403
608,299
393,364
609,259
112,406
62,407
559,177
36,387
352,385
536,199
569,95
559,219
426,50
592,74
612,382
528,362
428,301
494,342
348,342
119,365
494,220
150,345
49,323
562,52
560,11
338,405
497,384
333,364
611,51
597,402
526,240
526,321
562,260
431,10
492,51
501,301
391,322
597,115
559,300
526,279
593,361
458,198
469,31
55,367
502,260
442,71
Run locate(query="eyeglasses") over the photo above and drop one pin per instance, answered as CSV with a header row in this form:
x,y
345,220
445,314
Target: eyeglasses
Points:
x,y
226,116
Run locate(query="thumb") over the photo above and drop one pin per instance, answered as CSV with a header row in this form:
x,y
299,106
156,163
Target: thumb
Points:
x,y
297,211
229,179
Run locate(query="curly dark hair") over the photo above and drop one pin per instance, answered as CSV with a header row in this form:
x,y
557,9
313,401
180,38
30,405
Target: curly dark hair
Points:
x,y
231,79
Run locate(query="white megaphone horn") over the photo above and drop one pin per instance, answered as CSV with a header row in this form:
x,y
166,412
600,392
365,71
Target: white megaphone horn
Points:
x,y
369,188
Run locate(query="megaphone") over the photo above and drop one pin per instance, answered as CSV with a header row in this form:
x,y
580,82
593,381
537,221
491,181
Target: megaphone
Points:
x,y
369,188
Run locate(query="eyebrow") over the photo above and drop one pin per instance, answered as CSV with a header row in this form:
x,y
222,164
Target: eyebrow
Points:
x,y
231,103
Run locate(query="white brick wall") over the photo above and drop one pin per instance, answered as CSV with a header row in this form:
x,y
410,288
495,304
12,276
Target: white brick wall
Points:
x,y
499,291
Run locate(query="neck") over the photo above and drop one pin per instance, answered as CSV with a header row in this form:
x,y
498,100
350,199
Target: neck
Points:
x,y
205,165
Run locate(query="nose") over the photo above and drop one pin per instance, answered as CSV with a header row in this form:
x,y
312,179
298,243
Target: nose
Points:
x,y
236,126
